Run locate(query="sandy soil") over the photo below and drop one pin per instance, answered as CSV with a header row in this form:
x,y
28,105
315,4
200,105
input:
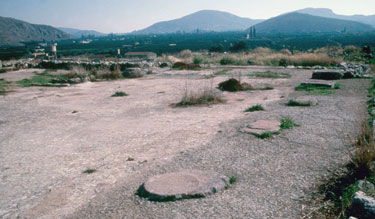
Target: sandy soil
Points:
x,y
50,135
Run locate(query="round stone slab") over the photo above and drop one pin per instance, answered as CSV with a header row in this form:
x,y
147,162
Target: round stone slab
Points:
x,y
261,126
182,185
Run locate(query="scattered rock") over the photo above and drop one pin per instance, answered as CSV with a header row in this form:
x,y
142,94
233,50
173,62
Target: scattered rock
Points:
x,y
352,70
331,74
308,100
75,80
363,206
366,187
262,126
182,185
133,73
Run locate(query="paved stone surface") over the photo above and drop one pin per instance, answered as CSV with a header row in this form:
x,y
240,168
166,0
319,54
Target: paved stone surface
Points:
x,y
331,74
319,83
261,126
182,185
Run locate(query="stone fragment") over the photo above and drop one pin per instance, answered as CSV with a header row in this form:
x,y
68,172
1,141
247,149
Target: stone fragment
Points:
x,y
362,206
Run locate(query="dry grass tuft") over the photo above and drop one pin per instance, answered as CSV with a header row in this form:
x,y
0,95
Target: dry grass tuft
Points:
x,y
205,95
364,152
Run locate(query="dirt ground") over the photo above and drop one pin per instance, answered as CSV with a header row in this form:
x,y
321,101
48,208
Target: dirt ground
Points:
x,y
49,136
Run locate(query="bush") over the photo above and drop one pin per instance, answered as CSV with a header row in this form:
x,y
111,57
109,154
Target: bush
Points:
x,y
283,62
197,60
182,66
106,74
239,46
227,61
231,85
163,65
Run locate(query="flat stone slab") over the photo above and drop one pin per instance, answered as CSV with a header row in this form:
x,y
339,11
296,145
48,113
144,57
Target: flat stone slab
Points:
x,y
261,126
319,83
182,185
331,74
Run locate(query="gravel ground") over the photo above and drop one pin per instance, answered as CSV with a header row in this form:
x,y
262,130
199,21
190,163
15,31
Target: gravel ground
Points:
x,y
273,175
45,147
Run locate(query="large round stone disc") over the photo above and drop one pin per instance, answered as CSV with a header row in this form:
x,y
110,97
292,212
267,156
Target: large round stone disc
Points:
x,y
182,185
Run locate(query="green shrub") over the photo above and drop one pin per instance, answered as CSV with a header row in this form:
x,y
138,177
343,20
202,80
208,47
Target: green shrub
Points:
x,y
257,107
227,61
197,60
287,123
119,94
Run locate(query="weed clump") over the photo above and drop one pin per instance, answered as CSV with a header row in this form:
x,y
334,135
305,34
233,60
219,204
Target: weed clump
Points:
x,y
287,123
207,95
257,107
119,94
89,171
4,86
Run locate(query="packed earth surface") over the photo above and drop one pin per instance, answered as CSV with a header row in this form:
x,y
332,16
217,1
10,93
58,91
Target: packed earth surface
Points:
x,y
50,137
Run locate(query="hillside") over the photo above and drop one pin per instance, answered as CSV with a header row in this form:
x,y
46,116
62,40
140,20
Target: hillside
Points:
x,y
206,20
79,33
304,23
13,32
325,12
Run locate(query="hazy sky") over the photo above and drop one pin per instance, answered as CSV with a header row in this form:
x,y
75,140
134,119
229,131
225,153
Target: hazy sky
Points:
x,y
121,16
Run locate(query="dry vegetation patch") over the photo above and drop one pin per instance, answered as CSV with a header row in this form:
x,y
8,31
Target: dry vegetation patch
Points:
x,y
207,94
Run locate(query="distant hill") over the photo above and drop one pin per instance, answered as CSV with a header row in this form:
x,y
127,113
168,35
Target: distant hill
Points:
x,y
13,32
79,33
325,12
303,23
206,20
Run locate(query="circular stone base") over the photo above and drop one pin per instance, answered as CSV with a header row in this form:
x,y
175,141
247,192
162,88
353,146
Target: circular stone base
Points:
x,y
182,185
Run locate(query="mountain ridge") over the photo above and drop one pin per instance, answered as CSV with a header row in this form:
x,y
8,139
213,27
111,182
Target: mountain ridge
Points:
x,y
296,22
326,12
14,32
79,33
204,20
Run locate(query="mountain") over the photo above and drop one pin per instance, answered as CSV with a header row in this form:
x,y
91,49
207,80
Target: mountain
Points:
x,y
13,32
79,33
325,12
303,23
206,20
